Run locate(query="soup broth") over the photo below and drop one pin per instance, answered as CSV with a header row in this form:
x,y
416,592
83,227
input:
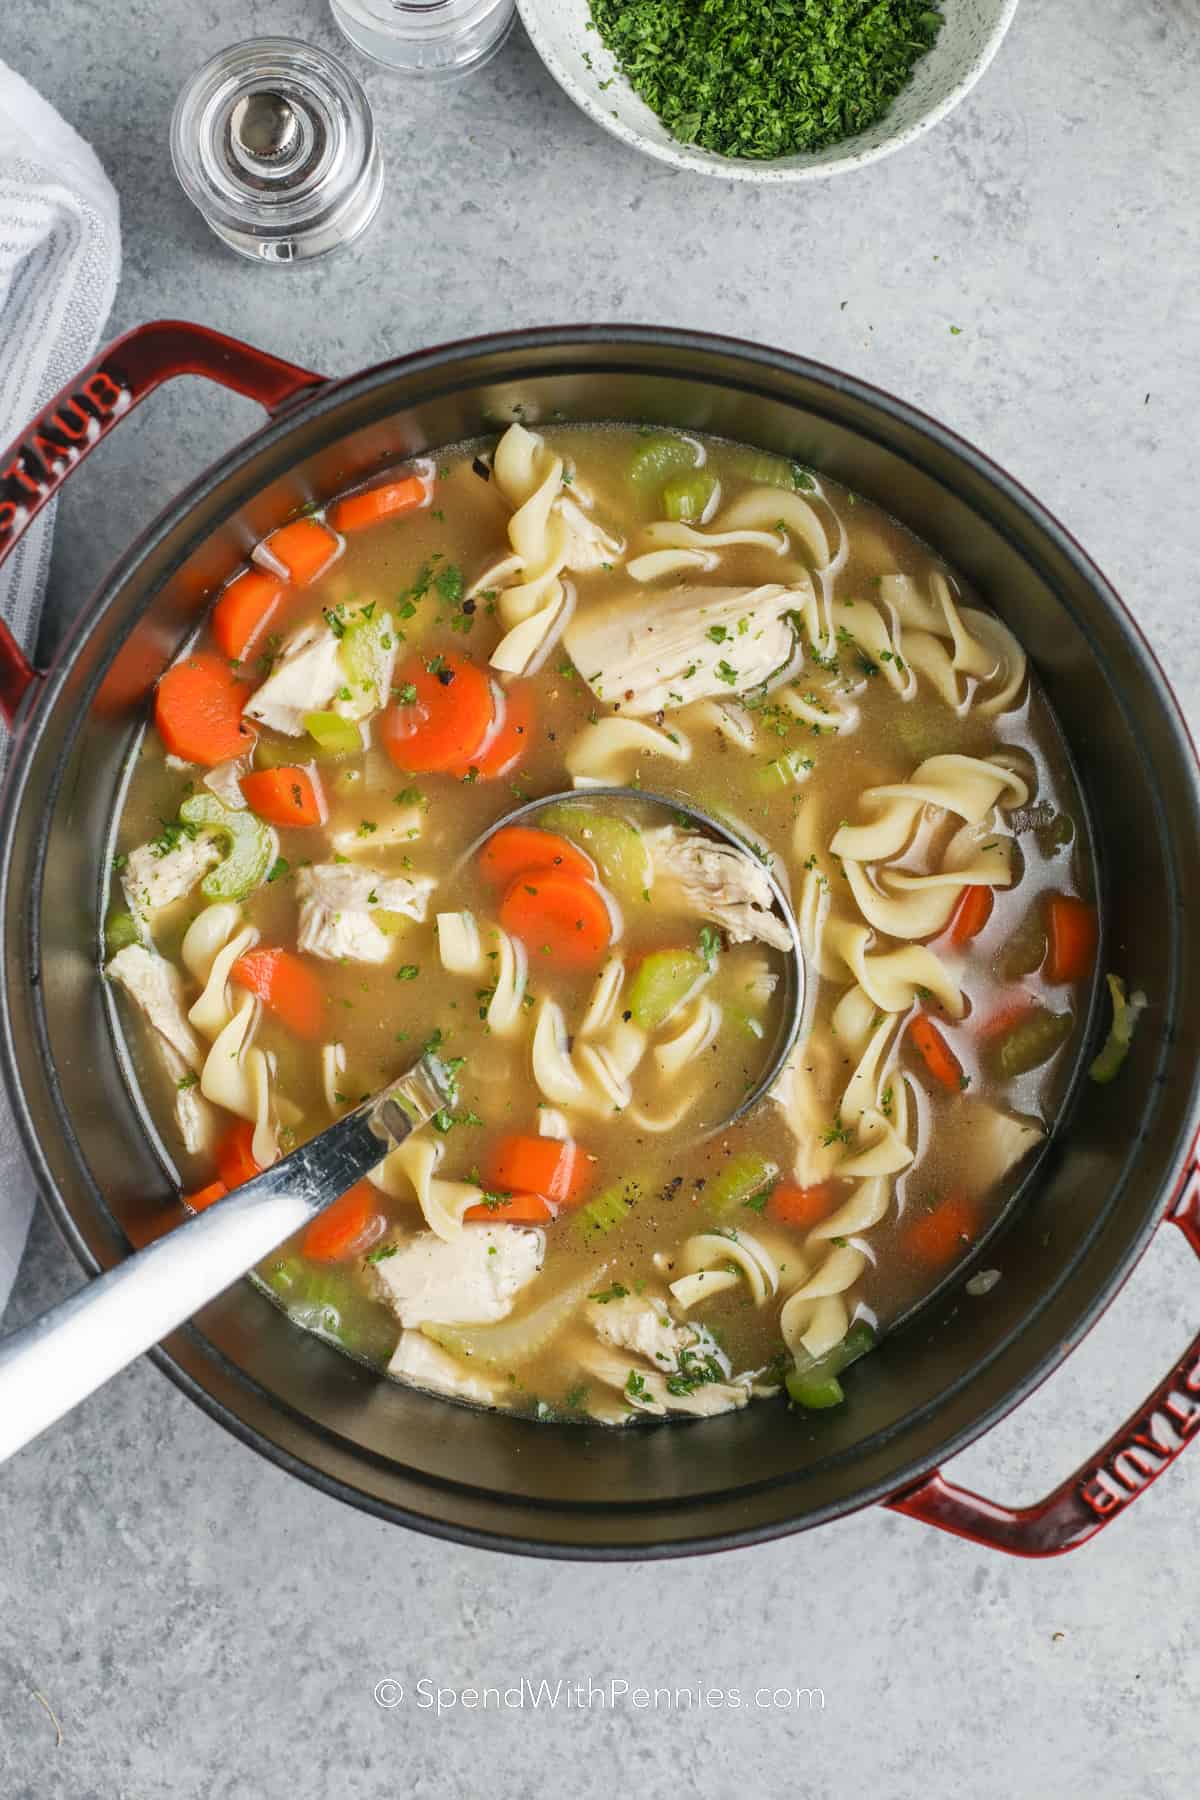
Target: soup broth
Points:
x,y
298,911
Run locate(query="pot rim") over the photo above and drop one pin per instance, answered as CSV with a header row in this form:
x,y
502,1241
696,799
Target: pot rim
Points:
x,y
755,359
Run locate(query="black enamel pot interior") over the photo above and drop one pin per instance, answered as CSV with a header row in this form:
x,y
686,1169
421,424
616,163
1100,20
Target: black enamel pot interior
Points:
x,y
563,1490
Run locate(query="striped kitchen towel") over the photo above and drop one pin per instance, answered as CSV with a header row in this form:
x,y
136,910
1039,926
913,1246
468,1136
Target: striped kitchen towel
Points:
x,y
60,258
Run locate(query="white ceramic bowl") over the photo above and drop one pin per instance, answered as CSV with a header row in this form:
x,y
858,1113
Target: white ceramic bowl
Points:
x,y
966,44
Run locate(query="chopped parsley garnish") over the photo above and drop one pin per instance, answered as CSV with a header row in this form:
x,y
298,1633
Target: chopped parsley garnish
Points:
x,y
614,1292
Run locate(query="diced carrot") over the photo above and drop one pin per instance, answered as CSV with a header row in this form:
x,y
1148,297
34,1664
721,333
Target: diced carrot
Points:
x,y
558,1169
940,1059
516,849
1006,1016
304,549
515,1209
291,795
286,986
972,913
939,1236
235,1156
561,918
198,710
205,1196
801,1206
510,741
244,610
357,511
1073,931
443,716
341,1228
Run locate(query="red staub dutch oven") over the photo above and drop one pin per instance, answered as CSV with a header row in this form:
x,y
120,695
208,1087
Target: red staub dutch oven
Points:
x,y
1121,1160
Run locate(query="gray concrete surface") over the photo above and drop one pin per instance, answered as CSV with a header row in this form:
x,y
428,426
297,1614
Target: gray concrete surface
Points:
x,y
201,1627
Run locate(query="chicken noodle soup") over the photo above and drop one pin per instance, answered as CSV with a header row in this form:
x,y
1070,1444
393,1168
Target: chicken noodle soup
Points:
x,y
293,920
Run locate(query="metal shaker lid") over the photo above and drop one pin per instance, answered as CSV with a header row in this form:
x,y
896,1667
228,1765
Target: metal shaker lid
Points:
x,y
274,142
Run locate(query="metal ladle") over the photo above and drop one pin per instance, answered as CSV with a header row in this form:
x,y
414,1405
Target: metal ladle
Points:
x,y
52,1364
791,1012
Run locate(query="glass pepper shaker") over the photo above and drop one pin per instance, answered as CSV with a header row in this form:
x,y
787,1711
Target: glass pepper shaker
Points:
x,y
434,38
274,142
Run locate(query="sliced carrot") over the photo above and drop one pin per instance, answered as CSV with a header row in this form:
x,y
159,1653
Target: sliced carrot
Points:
x,y
940,1059
516,849
1008,1015
515,1209
559,1169
291,795
801,1206
286,986
939,1236
443,715
971,914
198,710
508,744
357,511
1073,931
205,1196
341,1228
235,1156
304,549
560,917
244,610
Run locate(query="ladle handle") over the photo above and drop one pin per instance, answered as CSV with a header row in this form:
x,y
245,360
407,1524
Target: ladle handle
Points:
x,y
67,429
50,1365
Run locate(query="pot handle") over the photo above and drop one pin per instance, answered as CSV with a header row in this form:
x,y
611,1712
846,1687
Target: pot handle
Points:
x,y
1087,1501
34,467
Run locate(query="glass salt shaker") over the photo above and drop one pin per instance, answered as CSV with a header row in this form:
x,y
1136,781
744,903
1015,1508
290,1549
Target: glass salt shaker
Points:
x,y
434,38
273,141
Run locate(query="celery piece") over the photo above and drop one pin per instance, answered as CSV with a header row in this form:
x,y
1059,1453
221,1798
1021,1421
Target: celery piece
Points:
x,y
685,498
663,981
516,1340
366,652
657,457
787,770
1032,1041
120,931
609,1209
332,732
1120,1033
1025,950
743,1176
766,470
814,1384
250,847
814,1392
329,1303
616,847
392,924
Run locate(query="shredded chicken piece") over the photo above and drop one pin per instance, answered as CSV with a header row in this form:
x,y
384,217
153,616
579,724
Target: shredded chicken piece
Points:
x,y
715,881
341,906
589,546
695,643
424,1364
155,877
305,679
472,1280
156,986
642,1325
